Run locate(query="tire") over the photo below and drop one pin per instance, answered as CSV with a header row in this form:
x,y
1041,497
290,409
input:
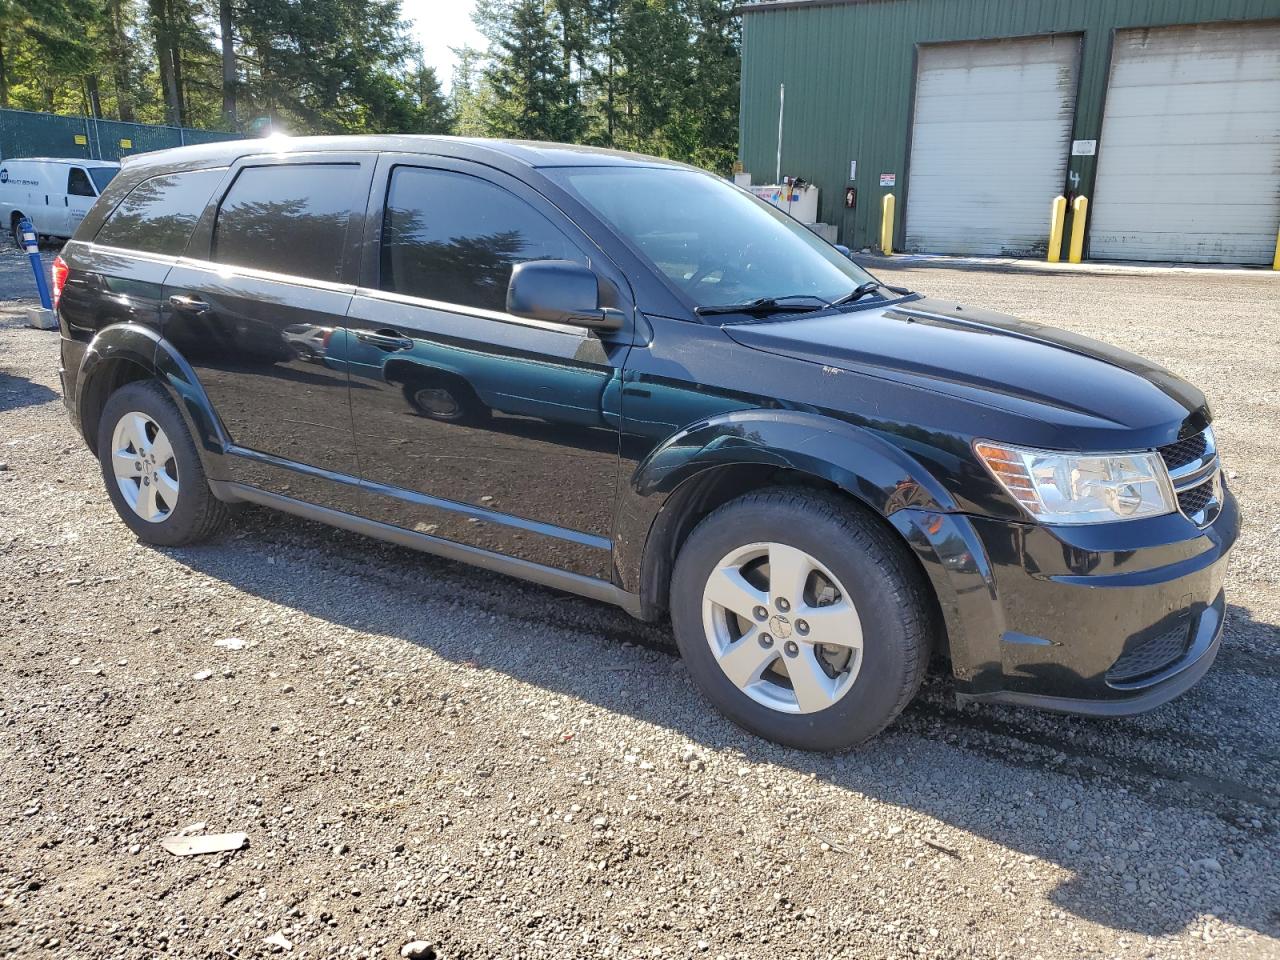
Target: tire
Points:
x,y
445,399
852,688
17,233
189,515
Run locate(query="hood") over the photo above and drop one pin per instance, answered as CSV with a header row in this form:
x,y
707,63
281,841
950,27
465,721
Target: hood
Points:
x,y
989,358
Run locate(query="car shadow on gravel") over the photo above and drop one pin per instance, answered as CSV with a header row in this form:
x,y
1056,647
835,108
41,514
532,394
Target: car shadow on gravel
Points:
x,y
1139,810
18,392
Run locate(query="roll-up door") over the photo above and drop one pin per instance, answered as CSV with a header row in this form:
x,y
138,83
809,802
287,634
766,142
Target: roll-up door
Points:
x,y
1189,156
989,144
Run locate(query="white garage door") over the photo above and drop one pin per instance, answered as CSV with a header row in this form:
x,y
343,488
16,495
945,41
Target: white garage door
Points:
x,y
989,145
1189,160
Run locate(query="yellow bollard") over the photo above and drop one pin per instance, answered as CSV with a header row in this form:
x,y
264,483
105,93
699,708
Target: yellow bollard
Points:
x,y
1079,213
1057,219
1275,264
886,224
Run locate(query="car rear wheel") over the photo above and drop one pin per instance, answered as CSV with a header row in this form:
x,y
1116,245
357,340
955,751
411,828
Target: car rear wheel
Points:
x,y
801,618
151,468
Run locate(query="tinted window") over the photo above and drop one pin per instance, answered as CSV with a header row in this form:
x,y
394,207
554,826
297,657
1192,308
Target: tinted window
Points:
x,y
289,218
452,237
78,184
717,243
159,214
101,176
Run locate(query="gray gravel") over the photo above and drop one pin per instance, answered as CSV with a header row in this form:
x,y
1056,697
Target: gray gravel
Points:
x,y
17,282
422,752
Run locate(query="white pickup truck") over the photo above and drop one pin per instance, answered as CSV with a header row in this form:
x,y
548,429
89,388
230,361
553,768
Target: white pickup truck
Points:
x,y
53,193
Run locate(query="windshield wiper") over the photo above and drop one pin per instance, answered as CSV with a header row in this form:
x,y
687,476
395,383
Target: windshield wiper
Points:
x,y
764,305
862,289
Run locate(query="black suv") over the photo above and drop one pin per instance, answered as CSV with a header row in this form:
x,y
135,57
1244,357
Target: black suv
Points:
x,y
629,379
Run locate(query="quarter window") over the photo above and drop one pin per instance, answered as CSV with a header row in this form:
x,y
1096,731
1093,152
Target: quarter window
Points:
x,y
288,218
159,214
455,238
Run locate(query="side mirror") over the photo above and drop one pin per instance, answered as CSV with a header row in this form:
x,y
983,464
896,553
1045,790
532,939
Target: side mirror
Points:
x,y
559,291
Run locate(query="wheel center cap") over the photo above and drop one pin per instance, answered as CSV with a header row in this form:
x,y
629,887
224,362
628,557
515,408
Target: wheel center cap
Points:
x,y
780,626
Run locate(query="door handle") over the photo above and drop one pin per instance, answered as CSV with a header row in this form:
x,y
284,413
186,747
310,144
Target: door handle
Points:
x,y
384,339
188,304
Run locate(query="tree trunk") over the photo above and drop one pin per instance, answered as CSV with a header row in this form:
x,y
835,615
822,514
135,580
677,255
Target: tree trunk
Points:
x,y
95,99
120,56
4,78
162,31
179,88
227,27
173,111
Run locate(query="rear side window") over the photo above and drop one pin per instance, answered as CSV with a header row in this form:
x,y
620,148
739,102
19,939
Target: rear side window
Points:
x,y
159,214
79,185
455,238
288,218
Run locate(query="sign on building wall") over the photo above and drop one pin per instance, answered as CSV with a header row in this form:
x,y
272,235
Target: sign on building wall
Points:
x,y
888,179
1084,148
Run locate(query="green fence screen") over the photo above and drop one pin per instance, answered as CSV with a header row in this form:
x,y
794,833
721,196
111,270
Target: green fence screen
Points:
x,y
27,134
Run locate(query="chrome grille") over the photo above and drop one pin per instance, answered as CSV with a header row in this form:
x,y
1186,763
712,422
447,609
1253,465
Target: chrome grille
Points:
x,y
1197,476
1152,654
1186,451
1196,499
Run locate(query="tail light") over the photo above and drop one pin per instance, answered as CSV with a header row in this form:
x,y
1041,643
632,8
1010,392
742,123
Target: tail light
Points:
x,y
328,335
59,272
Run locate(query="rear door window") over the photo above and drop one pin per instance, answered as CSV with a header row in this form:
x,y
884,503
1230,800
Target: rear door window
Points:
x,y
455,238
288,218
79,184
159,214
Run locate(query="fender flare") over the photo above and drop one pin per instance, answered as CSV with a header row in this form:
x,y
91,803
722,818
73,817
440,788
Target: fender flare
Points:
x,y
144,347
851,457
875,472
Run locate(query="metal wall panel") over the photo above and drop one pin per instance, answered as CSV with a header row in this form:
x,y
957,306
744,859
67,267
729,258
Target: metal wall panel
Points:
x,y
1189,168
989,144
849,68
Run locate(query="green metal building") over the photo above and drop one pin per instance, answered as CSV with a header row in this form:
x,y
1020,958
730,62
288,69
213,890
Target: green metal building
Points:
x,y
975,114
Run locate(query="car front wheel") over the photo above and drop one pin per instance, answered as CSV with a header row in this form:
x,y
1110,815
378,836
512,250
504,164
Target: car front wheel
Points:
x,y
801,617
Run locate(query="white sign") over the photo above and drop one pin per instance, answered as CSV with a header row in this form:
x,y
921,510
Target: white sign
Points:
x,y
1084,148
888,179
853,169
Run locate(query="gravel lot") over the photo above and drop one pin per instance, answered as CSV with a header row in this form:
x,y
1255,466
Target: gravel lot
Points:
x,y
420,751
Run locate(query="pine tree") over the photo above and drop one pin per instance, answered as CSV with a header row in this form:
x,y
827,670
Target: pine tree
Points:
x,y
531,94
434,111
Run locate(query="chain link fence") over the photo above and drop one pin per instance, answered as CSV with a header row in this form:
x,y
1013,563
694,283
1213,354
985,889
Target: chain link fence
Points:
x,y
27,134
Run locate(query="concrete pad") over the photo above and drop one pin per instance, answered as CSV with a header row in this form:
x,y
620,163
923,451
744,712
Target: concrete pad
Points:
x,y
1026,265
41,319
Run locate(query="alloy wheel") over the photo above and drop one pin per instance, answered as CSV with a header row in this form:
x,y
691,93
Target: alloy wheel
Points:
x,y
782,628
144,467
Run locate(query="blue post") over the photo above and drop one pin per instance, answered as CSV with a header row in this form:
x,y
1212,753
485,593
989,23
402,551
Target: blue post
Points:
x,y
31,244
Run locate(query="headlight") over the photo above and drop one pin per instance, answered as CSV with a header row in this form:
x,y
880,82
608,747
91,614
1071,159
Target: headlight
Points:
x,y
1075,488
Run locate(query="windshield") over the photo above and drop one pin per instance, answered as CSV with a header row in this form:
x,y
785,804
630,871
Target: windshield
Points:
x,y
715,242
102,176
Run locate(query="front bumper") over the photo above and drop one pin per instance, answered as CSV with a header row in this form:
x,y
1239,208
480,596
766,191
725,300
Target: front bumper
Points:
x,y
1106,620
